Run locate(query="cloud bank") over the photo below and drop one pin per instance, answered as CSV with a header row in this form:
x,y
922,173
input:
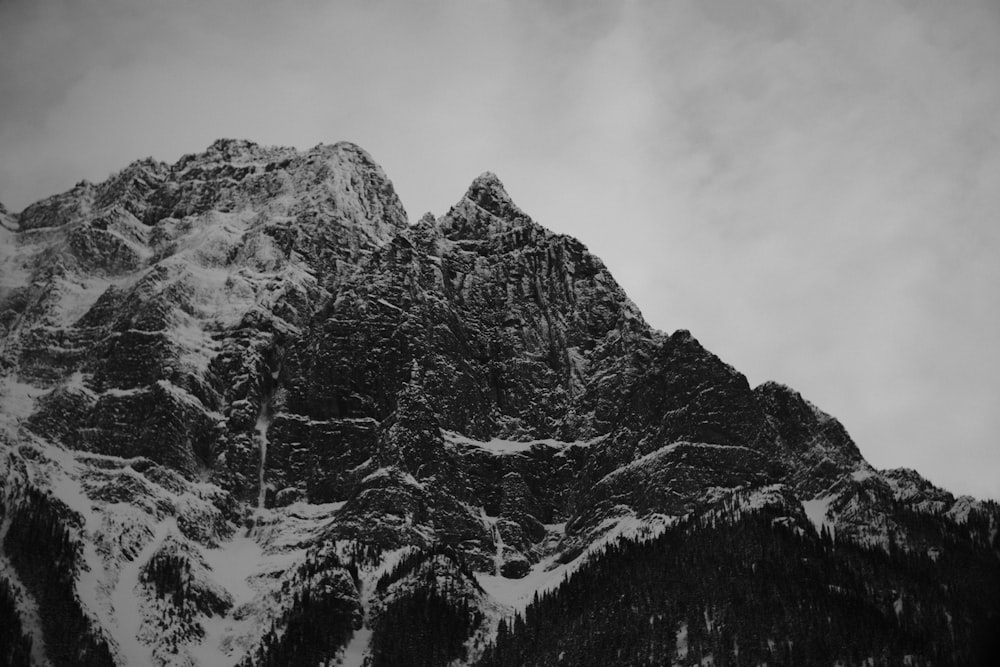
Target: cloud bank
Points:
x,y
811,188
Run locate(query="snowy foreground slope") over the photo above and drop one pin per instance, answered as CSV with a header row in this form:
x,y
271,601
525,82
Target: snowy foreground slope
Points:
x,y
250,415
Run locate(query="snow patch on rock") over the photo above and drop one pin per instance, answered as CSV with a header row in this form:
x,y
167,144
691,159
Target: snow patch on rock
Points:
x,y
817,510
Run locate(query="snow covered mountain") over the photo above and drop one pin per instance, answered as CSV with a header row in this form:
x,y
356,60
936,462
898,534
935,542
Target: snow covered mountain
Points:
x,y
251,416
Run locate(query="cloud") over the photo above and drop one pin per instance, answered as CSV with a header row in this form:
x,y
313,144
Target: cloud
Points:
x,y
809,187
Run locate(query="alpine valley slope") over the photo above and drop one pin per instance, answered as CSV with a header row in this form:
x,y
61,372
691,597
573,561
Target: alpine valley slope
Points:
x,y
251,416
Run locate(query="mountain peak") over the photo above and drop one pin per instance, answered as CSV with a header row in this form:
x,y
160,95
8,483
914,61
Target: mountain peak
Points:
x,y
488,180
230,146
488,193
345,148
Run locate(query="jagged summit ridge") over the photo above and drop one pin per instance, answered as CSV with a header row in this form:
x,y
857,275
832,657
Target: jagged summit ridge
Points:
x,y
249,404
233,174
486,210
489,193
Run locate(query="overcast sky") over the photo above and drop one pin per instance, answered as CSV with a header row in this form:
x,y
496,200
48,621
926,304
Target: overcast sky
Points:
x,y
812,188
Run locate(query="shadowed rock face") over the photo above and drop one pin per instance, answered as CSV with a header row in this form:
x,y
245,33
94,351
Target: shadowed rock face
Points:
x,y
261,325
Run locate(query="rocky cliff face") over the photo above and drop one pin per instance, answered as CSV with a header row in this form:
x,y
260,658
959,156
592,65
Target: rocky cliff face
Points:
x,y
246,397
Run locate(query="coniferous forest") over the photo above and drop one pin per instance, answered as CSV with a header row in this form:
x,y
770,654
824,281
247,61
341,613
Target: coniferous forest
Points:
x,y
761,590
320,619
15,646
38,526
430,622
423,629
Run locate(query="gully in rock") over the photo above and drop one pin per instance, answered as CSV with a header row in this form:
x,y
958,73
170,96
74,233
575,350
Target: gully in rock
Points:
x,y
264,417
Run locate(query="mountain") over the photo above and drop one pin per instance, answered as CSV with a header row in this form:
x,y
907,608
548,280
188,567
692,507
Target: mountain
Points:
x,y
252,416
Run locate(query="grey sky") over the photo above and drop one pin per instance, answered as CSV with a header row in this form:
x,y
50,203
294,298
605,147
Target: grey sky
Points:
x,y
811,188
